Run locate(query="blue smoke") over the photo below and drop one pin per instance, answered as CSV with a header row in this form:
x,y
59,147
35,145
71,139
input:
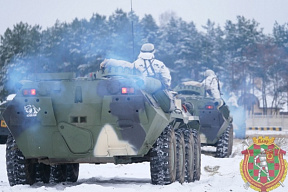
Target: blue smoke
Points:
x,y
238,113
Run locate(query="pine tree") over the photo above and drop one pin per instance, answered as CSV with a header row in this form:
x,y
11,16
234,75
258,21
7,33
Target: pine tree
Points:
x,y
18,49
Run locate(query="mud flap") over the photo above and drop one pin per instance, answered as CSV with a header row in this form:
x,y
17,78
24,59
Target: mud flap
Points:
x,y
224,110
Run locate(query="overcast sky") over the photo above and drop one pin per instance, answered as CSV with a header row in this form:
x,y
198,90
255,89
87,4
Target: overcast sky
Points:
x,y
46,12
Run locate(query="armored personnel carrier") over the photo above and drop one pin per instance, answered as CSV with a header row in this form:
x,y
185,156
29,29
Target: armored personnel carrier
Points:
x,y
216,122
114,115
4,132
3,128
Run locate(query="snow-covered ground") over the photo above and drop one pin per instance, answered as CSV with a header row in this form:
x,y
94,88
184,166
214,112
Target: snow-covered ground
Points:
x,y
136,177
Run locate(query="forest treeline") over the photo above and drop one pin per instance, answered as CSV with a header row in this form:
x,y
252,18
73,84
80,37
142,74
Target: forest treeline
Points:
x,y
244,58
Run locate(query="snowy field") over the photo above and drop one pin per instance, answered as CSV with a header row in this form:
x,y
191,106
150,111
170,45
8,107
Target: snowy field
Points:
x,y
136,177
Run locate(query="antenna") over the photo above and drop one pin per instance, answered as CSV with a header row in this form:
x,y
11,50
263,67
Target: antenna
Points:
x,y
131,6
132,28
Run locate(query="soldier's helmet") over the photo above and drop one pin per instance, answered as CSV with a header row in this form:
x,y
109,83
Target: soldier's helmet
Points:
x,y
147,48
209,72
147,51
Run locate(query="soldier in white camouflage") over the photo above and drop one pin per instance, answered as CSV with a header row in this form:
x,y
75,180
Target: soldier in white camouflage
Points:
x,y
151,67
212,86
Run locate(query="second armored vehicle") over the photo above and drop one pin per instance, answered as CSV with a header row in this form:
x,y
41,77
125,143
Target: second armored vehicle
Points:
x,y
216,122
4,132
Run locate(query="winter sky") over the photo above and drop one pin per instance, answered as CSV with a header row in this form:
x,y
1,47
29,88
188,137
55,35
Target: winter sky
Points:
x,y
46,12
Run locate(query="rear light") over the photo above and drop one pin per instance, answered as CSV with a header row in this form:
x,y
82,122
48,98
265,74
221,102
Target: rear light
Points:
x,y
127,90
29,92
210,107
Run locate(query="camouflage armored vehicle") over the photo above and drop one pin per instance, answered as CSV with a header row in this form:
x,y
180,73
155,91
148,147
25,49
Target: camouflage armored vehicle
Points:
x,y
4,132
58,121
3,128
216,122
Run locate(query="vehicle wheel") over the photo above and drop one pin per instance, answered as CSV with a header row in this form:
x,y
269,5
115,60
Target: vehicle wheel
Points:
x,y
42,172
189,155
58,173
19,170
64,172
230,145
72,171
180,153
163,159
197,155
225,143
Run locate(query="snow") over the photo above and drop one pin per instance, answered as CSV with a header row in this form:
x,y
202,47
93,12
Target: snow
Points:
x,y
136,177
9,98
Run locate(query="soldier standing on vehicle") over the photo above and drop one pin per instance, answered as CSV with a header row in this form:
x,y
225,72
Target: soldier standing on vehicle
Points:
x,y
151,67
212,86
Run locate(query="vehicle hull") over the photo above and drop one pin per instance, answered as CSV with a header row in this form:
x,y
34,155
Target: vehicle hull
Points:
x,y
90,125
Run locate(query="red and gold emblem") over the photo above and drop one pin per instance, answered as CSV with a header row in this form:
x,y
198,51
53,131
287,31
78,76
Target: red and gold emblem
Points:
x,y
263,168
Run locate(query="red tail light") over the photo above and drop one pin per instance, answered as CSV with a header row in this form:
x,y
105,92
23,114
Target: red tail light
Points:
x,y
210,107
29,92
127,90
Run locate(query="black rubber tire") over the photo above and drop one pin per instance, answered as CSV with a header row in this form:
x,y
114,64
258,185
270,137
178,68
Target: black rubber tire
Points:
x,y
10,160
58,173
163,159
225,143
230,144
180,153
189,155
42,173
64,172
197,155
72,172
19,170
